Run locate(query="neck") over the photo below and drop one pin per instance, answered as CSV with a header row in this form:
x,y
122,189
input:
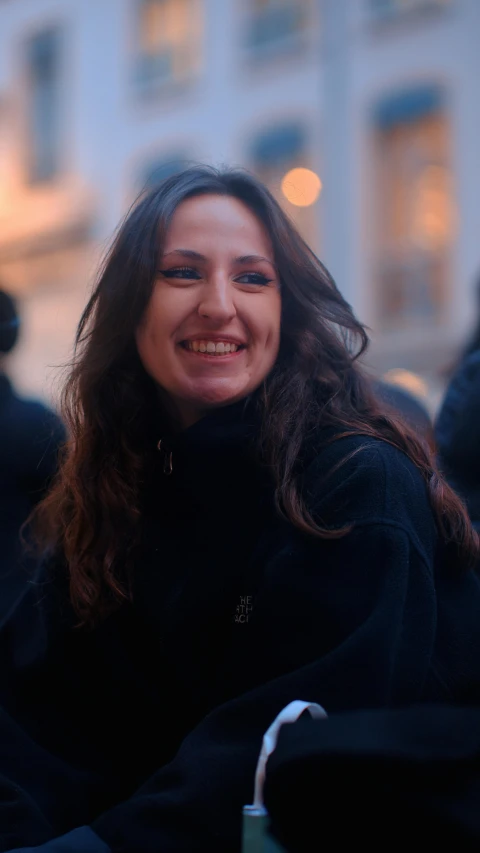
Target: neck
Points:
x,y
186,419
180,414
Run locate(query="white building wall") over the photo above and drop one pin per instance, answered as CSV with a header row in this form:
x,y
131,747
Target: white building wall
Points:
x,y
364,62
439,47
110,136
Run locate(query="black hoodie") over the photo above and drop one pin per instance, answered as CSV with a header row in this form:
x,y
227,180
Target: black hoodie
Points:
x,y
143,735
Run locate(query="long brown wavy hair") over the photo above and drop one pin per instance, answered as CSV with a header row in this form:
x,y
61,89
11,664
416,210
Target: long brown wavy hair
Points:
x,y
91,514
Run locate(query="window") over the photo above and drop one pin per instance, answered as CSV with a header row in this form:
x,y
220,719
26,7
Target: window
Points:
x,y
273,23
415,211
169,33
43,106
274,151
392,8
273,155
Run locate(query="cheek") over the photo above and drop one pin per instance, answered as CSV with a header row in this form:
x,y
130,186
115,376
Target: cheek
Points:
x,y
154,328
265,321
166,315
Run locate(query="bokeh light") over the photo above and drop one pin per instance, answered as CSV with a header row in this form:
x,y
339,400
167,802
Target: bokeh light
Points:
x,y
408,380
301,187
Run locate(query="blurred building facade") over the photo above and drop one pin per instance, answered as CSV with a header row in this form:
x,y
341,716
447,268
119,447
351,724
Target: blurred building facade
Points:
x,y
376,98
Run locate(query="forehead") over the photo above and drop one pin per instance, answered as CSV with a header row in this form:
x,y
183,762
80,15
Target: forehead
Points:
x,y
217,222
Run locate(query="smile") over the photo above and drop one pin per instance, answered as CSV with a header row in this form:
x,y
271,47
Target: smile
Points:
x,y
212,348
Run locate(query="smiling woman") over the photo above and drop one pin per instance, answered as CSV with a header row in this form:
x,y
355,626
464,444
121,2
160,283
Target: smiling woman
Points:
x,y
236,524
211,331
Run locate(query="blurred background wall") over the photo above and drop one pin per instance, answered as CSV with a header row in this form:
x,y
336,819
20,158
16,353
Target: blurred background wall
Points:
x,y
363,117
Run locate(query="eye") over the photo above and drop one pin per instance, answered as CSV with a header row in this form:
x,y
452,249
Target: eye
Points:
x,y
181,272
253,278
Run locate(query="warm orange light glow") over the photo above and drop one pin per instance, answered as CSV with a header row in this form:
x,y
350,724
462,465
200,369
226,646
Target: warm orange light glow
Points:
x,y
409,381
434,213
301,187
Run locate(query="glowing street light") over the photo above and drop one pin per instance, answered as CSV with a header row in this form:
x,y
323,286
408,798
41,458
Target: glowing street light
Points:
x,y
301,187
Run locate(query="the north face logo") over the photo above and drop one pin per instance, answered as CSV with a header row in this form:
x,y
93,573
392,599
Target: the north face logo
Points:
x,y
243,609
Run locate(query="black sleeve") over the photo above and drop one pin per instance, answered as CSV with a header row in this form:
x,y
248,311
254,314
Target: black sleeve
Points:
x,y
51,771
415,769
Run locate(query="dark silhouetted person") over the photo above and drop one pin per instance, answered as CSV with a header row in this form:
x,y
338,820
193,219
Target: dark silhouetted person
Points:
x,y
405,404
457,427
30,435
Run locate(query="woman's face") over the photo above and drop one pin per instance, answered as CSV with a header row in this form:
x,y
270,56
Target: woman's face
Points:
x,y
211,331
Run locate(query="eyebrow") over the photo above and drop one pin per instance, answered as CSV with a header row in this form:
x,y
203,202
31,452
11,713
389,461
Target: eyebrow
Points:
x,y
252,259
186,253
196,256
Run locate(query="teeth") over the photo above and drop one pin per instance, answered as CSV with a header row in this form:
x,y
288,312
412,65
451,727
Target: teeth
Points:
x,y
212,347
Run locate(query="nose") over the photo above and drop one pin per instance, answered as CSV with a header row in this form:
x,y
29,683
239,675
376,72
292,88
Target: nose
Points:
x,y
217,301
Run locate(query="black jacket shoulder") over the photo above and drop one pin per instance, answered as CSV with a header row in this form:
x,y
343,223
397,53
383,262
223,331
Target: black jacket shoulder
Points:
x,y
361,480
